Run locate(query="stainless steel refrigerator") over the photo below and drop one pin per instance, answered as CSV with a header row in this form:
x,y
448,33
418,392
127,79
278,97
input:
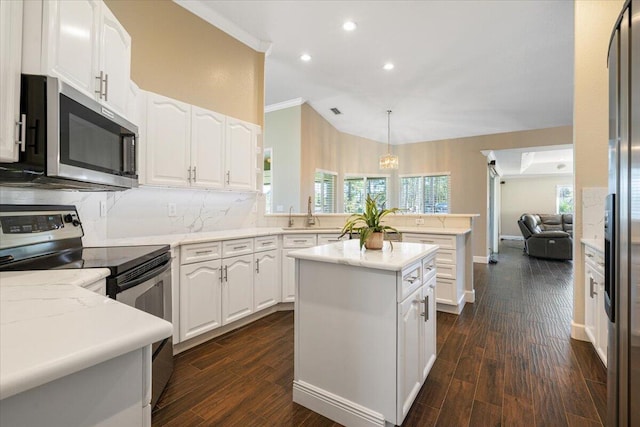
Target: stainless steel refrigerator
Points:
x,y
622,221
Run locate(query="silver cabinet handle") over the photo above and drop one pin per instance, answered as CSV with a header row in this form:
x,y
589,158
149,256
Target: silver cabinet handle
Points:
x,y
589,255
228,176
591,292
189,174
226,277
203,252
100,81
221,274
106,86
266,243
22,124
237,248
103,79
299,241
425,314
258,265
412,279
194,174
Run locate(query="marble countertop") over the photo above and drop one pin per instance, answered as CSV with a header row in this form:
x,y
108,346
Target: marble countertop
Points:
x,y
597,244
51,327
175,240
349,253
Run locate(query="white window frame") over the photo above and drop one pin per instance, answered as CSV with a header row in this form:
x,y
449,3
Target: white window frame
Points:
x,y
424,175
365,177
268,205
558,187
335,189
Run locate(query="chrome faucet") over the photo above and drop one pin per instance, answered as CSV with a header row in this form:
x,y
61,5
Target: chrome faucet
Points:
x,y
310,219
290,217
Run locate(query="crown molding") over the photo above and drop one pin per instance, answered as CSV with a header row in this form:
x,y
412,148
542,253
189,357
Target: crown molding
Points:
x,y
199,8
284,104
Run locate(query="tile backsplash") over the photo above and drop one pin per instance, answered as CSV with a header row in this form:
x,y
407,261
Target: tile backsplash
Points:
x,y
145,211
593,199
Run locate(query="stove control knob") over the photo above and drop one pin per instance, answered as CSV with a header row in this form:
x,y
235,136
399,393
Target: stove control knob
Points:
x,y
68,218
75,222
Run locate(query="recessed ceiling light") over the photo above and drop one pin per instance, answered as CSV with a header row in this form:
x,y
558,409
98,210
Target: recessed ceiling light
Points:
x,y
388,66
305,57
349,26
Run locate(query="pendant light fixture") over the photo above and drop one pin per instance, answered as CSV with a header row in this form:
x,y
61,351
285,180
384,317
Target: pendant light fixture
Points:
x,y
388,161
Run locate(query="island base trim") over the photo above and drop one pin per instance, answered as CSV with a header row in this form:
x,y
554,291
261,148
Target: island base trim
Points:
x,y
470,296
334,407
578,331
453,308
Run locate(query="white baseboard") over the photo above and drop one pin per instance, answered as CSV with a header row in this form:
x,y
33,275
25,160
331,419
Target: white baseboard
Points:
x,y
578,332
481,259
470,296
334,407
509,237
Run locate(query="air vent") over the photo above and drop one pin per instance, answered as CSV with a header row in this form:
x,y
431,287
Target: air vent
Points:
x,y
336,111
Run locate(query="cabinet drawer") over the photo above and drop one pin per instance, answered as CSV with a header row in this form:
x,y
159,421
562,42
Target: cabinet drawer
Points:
x,y
324,239
446,291
197,252
594,258
428,269
446,256
298,240
447,271
443,240
237,247
266,243
411,280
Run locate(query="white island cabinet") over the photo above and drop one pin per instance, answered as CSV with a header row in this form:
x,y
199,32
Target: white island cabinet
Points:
x,y
365,326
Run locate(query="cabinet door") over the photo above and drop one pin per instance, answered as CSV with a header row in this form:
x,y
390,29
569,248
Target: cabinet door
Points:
x,y
288,277
200,298
237,289
602,321
167,141
239,157
207,148
410,343
71,37
266,289
115,61
590,304
10,52
428,316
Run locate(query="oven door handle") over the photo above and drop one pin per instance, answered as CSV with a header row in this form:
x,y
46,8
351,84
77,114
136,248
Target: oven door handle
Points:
x,y
148,275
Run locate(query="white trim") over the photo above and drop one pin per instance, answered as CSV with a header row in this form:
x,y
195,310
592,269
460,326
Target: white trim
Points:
x,y
414,175
335,407
470,296
578,331
481,259
537,175
364,175
200,9
452,308
328,172
510,237
284,104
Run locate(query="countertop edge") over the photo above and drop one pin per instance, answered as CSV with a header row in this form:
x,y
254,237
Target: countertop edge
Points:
x,y
596,244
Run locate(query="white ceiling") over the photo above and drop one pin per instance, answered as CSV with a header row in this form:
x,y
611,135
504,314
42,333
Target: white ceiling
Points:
x,y
535,161
462,68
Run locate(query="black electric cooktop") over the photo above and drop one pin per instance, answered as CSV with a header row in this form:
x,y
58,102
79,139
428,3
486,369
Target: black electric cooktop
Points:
x,y
118,259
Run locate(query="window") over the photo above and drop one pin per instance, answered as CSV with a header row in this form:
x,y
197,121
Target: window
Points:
x,y
425,194
325,192
564,199
357,188
266,181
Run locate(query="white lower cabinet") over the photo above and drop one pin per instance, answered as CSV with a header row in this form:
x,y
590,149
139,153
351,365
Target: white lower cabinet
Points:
x,y
200,298
288,276
266,289
596,322
237,288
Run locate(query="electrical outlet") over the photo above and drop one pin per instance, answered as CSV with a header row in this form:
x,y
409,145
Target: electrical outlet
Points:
x,y
419,221
173,209
103,209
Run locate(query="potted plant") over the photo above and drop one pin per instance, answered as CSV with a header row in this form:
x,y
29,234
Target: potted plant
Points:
x,y
368,224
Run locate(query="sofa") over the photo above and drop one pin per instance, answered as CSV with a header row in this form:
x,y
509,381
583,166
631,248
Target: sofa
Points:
x,y
547,235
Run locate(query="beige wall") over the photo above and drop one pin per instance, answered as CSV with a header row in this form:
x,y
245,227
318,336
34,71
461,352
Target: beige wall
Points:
x,y
527,195
594,21
181,56
468,167
282,135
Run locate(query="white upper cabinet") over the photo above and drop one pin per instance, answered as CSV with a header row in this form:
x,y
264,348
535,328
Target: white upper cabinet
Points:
x,y
10,48
115,63
189,146
207,145
167,141
239,155
82,43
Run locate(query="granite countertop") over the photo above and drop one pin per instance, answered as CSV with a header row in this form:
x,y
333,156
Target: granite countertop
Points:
x,y
597,244
349,253
175,240
51,327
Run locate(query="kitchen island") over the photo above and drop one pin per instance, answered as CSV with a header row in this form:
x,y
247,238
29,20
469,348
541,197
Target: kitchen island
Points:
x,y
70,356
365,330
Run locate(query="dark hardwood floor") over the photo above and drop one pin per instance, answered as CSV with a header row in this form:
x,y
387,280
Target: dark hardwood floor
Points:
x,y
506,360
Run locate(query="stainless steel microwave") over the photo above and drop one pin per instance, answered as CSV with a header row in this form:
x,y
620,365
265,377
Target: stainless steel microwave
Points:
x,y
70,141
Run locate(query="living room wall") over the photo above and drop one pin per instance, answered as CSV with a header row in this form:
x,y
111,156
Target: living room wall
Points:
x,y
527,195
